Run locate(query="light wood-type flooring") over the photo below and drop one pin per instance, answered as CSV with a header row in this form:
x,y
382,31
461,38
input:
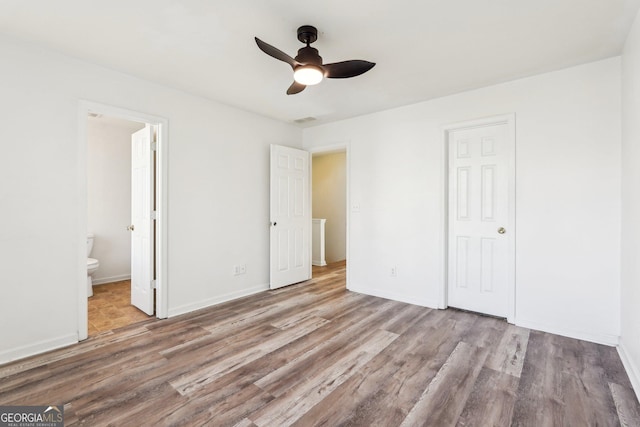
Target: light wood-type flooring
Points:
x,y
110,307
316,354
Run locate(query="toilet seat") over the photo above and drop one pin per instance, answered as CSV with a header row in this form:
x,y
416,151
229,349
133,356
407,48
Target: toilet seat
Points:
x,y
92,263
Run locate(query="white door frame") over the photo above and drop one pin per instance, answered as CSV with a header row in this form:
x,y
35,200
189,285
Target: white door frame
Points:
x,y
337,147
510,121
84,108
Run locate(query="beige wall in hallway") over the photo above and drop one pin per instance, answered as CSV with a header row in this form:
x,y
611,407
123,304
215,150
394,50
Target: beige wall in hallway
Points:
x,y
329,201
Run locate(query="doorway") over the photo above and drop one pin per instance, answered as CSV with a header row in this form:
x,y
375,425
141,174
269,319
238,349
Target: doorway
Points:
x,y
329,208
111,199
481,216
290,187
157,186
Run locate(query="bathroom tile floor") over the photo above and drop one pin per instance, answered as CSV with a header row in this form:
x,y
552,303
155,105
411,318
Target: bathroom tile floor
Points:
x,y
110,307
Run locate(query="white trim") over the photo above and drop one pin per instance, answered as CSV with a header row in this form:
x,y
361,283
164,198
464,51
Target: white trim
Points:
x,y
162,227
187,308
329,149
510,121
111,279
383,293
632,369
338,148
82,224
606,339
162,291
40,346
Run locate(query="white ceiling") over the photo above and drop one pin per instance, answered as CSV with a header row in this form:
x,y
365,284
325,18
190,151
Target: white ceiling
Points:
x,y
423,48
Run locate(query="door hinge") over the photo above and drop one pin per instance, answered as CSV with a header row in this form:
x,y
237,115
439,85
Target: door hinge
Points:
x,y
153,284
154,214
154,146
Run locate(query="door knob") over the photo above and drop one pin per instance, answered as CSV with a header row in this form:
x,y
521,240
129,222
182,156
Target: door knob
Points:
x,y
130,227
502,230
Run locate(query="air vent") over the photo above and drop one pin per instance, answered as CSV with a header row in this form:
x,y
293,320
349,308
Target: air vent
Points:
x,y
304,120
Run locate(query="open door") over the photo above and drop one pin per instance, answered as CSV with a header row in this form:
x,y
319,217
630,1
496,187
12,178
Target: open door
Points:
x,y
141,220
290,238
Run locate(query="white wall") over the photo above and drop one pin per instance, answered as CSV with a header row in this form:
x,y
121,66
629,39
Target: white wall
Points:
x,y
567,203
630,309
218,204
109,195
329,201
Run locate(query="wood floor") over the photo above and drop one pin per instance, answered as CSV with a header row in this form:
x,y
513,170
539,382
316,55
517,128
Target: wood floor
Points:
x,y
316,354
110,307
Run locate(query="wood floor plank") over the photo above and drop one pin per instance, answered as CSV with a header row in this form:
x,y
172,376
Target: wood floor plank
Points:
x,y
326,353
297,400
484,332
627,406
540,398
202,412
200,377
445,398
387,387
245,422
508,357
316,354
491,401
585,385
582,406
229,384
613,367
119,411
410,315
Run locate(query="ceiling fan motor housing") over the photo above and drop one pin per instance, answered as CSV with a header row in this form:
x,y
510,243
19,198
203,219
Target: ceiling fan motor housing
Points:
x,y
309,56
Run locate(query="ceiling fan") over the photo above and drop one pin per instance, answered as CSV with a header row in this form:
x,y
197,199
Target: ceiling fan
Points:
x,y
308,68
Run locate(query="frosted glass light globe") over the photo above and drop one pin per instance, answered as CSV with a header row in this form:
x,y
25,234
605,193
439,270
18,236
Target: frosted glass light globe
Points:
x,y
308,75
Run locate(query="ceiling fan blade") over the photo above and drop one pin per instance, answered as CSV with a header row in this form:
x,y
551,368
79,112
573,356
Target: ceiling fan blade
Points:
x,y
345,69
295,88
276,53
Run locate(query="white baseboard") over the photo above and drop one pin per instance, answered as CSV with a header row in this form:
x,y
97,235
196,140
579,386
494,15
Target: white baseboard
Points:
x,y
318,263
632,369
16,353
421,301
103,280
606,339
187,308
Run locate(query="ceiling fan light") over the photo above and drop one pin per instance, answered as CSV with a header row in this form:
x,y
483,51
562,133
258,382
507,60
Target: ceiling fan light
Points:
x,y
308,75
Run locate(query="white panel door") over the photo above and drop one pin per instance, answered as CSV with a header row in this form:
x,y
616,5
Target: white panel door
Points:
x,y
478,241
290,238
141,223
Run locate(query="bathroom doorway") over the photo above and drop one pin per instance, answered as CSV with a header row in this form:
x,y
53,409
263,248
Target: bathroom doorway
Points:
x,y
109,192
329,208
129,260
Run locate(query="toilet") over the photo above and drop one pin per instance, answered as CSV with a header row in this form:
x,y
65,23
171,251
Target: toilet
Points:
x,y
92,265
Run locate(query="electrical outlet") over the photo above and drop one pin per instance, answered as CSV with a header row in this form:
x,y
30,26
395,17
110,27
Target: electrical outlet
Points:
x,y
394,271
239,269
